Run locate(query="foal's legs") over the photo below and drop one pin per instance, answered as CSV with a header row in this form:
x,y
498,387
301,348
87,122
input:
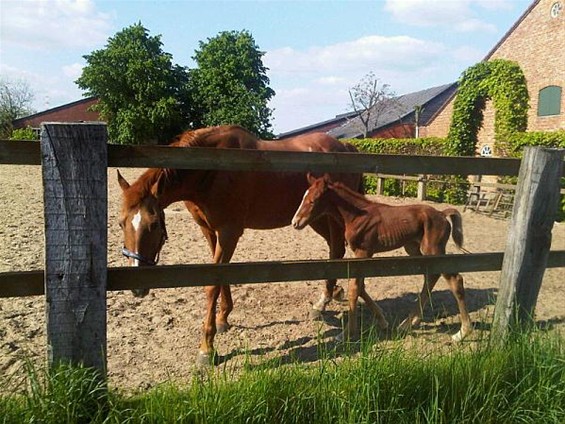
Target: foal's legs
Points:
x,y
356,289
430,280
455,282
225,246
333,233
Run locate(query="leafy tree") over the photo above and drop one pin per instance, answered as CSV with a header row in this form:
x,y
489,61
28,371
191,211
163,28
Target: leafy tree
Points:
x,y
142,93
371,99
15,102
230,85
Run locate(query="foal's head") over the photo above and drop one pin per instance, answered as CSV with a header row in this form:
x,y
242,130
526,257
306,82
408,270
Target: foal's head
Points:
x,y
313,203
142,220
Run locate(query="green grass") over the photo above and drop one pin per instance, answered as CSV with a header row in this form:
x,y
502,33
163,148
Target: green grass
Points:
x,y
522,383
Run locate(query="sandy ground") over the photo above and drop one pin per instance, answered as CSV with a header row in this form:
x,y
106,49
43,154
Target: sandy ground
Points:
x,y
155,339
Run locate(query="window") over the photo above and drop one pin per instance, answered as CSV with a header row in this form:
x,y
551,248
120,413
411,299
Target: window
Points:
x,y
549,101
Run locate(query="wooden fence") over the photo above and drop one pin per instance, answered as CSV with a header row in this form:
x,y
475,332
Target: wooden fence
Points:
x,y
74,158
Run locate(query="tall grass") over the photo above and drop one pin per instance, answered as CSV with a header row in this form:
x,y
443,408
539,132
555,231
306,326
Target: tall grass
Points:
x,y
522,383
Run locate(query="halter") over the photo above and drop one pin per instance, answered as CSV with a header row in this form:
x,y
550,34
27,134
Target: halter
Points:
x,y
140,258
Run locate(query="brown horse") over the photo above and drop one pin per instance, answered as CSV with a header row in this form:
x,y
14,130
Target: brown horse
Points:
x,y
224,203
372,227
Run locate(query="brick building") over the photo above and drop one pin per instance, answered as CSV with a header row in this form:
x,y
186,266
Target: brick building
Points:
x,y
537,43
71,112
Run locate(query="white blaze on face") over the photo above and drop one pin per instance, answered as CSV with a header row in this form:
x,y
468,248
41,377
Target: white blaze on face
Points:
x,y
135,223
295,218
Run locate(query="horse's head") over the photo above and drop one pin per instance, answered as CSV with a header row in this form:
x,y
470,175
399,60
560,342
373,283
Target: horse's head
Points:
x,y
142,220
313,202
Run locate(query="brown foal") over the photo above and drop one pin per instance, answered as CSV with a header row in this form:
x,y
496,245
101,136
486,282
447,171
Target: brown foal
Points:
x,y
372,227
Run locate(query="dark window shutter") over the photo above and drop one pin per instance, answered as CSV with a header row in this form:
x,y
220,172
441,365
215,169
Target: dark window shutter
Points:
x,y
549,102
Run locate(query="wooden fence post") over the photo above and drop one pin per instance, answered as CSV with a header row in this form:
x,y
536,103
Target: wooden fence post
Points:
x,y
74,167
422,179
380,186
529,239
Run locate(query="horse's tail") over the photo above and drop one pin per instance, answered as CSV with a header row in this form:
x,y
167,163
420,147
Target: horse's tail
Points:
x,y
456,227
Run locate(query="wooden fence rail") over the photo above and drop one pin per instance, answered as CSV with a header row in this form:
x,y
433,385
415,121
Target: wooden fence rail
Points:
x,y
31,283
76,287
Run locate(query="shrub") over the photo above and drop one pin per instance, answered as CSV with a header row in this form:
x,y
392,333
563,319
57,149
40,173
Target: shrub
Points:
x,y
444,188
24,134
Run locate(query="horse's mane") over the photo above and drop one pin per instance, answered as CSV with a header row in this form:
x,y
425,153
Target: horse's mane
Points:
x,y
203,137
142,186
339,186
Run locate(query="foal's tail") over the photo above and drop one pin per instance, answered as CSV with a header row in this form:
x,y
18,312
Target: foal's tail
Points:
x,y
456,227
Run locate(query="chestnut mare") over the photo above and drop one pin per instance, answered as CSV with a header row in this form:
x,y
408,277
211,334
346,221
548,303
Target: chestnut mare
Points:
x,y
224,203
372,227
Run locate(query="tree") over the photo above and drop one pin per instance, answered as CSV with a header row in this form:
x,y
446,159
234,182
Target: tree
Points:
x,y
230,85
370,99
142,93
15,102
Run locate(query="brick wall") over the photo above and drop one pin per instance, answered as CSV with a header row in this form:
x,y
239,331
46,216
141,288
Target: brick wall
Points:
x,y
537,43
73,112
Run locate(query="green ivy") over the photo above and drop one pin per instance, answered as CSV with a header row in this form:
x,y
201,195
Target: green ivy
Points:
x,y
519,140
502,81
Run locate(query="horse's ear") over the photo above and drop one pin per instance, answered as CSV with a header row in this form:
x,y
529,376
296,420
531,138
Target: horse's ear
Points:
x,y
310,178
122,181
158,187
327,178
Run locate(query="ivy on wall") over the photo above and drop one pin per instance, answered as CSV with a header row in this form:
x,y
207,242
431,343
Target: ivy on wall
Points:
x,y
501,81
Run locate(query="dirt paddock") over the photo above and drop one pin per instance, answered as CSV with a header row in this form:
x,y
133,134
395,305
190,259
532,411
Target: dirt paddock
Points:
x,y
155,339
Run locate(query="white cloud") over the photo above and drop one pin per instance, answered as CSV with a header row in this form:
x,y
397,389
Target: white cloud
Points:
x,y
52,24
372,52
330,80
457,15
73,71
312,84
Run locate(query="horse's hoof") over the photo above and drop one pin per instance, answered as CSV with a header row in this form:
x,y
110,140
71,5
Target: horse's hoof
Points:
x,y
222,328
383,325
340,337
338,294
315,315
204,360
460,335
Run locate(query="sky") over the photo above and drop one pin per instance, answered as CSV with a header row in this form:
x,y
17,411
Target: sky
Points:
x,y
315,50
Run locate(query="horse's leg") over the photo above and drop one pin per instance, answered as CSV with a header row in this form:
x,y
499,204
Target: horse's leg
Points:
x,y
377,311
455,282
356,287
430,280
226,303
225,246
333,233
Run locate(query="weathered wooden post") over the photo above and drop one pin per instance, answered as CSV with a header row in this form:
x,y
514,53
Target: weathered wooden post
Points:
x,y
529,239
422,179
380,185
74,166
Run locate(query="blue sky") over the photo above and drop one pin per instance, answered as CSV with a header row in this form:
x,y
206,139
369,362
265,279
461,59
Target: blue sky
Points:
x,y
315,50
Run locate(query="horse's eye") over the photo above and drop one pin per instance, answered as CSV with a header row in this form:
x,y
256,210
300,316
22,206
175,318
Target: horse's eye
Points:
x,y
122,224
154,226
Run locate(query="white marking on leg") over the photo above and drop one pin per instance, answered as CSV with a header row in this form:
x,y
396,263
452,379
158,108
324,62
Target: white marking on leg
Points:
x,y
320,305
457,337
